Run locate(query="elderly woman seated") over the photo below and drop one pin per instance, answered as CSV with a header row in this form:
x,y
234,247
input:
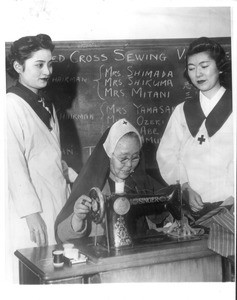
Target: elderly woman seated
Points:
x,y
115,166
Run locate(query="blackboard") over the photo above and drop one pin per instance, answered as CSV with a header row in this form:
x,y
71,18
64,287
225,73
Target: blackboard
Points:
x,y
95,83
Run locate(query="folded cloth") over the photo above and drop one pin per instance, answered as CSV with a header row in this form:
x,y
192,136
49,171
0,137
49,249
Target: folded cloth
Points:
x,y
182,229
221,240
206,219
176,232
221,223
209,209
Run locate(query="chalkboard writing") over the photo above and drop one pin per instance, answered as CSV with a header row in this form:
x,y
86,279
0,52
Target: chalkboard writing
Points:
x,y
98,82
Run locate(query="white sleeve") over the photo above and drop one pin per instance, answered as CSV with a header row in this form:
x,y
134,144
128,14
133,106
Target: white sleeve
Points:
x,y
72,174
20,187
169,156
69,173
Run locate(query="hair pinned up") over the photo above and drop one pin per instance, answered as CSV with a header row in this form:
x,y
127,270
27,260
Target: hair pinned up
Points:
x,y
22,49
216,52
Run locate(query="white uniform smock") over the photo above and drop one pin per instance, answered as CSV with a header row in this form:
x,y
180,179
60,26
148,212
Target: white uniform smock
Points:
x,y
204,158
35,176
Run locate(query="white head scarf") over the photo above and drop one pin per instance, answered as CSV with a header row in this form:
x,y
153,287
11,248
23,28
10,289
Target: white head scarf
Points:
x,y
118,130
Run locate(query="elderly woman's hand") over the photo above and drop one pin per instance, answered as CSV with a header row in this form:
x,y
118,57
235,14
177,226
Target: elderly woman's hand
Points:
x,y
81,208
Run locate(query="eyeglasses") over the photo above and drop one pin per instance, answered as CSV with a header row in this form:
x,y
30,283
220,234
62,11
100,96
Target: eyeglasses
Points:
x,y
124,160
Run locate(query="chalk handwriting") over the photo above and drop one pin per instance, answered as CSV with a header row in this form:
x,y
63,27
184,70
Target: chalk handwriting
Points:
x,y
89,149
152,139
187,87
76,57
112,109
148,110
108,83
180,53
144,130
68,79
98,82
149,73
150,82
73,116
132,56
58,58
143,94
68,151
141,120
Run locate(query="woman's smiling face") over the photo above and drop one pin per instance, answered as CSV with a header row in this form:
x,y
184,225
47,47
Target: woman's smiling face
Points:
x,y
125,157
204,74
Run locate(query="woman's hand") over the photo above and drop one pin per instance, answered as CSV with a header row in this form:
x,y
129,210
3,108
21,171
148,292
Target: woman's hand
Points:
x,y
193,198
81,208
38,229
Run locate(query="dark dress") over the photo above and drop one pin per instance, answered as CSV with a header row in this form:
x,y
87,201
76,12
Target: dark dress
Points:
x,y
95,173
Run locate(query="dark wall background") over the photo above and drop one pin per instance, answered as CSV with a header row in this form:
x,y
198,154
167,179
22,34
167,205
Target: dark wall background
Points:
x,y
95,83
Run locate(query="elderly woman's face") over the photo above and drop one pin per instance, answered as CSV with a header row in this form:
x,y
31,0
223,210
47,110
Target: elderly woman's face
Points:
x,y
125,157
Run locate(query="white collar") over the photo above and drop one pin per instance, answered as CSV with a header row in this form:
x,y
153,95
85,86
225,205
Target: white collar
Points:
x,y
119,185
207,104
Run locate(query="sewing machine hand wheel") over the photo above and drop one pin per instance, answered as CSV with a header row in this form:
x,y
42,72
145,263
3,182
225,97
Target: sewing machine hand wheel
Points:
x,y
98,205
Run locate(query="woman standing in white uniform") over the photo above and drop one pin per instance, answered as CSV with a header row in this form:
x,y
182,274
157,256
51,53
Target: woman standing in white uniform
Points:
x,y
36,174
197,145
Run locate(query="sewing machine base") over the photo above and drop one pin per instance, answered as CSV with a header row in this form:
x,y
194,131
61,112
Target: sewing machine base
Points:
x,y
140,244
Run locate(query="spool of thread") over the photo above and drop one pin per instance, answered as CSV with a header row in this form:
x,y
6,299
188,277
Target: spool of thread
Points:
x,y
58,258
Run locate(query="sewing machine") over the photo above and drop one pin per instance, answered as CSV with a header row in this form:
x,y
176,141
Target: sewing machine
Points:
x,y
120,255
121,210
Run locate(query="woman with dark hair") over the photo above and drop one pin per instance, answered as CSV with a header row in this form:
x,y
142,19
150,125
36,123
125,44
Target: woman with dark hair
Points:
x,y
36,175
23,49
217,53
197,145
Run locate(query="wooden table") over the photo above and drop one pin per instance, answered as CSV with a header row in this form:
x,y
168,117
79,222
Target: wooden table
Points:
x,y
175,261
